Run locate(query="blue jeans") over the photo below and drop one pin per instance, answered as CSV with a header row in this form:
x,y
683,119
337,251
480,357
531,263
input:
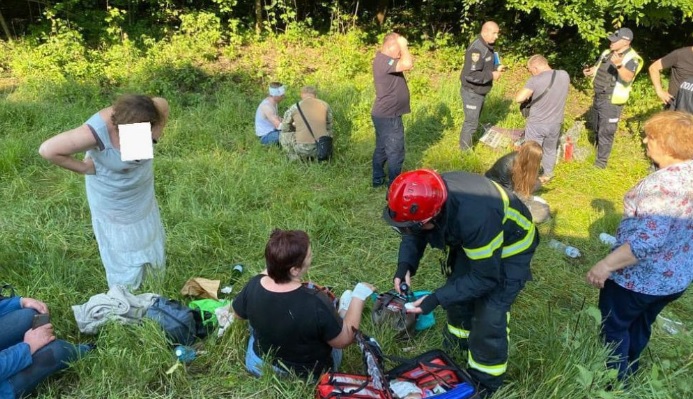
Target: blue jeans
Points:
x,y
627,318
270,138
389,147
46,361
254,363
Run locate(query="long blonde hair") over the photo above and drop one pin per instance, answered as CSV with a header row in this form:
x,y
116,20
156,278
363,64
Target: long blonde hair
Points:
x,y
525,169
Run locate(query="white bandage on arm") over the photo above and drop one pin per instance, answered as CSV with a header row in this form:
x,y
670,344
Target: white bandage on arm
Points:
x,y
361,291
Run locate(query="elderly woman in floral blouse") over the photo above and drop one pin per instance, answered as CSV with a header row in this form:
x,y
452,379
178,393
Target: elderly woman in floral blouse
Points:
x,y
651,264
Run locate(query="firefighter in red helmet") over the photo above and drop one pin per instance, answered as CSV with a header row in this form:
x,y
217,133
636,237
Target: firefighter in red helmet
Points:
x,y
489,238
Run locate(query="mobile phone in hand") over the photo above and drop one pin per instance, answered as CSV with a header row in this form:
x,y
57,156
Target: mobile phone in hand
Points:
x,y
41,319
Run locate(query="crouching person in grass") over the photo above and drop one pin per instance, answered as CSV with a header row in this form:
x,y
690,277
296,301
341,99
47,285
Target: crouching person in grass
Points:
x,y
651,263
29,355
304,123
292,322
120,191
518,171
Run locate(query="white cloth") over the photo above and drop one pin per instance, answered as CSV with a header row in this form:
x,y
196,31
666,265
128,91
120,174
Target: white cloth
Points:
x,y
117,304
225,317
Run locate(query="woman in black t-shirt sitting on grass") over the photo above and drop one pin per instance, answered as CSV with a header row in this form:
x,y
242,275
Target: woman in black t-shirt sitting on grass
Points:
x,y
296,325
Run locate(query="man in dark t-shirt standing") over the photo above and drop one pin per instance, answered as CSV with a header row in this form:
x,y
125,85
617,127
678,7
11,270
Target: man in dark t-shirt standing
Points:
x,y
391,102
681,63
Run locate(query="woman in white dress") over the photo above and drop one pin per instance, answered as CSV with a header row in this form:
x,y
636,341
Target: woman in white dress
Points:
x,y
124,211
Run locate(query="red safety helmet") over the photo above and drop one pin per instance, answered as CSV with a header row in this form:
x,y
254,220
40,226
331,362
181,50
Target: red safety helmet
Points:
x,y
414,198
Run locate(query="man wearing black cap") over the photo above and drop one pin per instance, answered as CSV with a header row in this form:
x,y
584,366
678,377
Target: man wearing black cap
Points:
x,y
612,77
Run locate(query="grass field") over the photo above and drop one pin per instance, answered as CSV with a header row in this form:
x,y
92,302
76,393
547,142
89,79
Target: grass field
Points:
x,y
221,193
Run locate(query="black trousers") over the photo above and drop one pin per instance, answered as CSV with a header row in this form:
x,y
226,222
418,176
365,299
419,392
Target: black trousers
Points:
x,y
481,325
605,117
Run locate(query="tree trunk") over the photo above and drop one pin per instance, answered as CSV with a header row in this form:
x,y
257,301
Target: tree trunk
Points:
x,y
381,11
258,16
5,28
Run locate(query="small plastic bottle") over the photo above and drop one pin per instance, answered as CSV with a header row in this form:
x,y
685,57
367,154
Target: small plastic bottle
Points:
x,y
236,273
567,249
185,354
672,327
607,239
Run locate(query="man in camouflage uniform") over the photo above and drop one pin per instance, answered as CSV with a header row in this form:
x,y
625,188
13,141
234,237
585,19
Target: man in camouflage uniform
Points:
x,y
300,132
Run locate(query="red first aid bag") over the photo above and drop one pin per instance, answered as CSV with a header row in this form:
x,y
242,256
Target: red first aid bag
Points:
x,y
348,386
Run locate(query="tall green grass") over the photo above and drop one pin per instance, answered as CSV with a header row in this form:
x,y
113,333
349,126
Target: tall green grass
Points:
x,y
221,193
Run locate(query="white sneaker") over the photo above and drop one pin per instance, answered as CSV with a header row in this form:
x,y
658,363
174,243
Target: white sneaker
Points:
x,y
344,302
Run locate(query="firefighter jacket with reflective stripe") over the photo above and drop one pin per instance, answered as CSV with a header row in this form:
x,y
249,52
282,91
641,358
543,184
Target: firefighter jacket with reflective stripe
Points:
x,y
480,225
621,88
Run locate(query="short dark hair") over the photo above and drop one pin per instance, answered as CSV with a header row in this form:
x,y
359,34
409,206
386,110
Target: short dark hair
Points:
x,y
284,250
135,108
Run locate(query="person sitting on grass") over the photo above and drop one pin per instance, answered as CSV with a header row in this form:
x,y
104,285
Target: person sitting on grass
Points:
x,y
267,121
518,171
29,355
300,129
295,323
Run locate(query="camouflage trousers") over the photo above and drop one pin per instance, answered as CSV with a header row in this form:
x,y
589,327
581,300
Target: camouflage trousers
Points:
x,y
296,151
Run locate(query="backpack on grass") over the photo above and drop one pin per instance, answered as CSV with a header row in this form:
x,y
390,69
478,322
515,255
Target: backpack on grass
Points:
x,y
181,324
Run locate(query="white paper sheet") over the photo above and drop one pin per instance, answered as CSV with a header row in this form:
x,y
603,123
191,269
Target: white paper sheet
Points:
x,y
136,141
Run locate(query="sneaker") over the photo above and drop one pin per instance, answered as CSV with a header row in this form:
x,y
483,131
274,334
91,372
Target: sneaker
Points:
x,y
378,182
344,302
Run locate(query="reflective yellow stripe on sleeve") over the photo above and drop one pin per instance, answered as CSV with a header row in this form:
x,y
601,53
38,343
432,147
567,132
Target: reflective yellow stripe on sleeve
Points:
x,y
521,245
487,250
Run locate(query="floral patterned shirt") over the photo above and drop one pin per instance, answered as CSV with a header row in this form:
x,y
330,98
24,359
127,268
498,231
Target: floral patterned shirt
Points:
x,y
658,224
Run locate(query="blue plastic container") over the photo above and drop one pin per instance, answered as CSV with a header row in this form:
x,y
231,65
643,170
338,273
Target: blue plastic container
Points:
x,y
424,321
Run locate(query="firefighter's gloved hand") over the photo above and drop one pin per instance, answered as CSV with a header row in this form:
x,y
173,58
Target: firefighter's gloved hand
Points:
x,y
402,269
429,303
362,291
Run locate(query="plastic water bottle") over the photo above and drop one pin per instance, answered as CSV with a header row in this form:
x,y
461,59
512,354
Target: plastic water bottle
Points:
x,y
236,273
607,239
567,249
185,354
672,327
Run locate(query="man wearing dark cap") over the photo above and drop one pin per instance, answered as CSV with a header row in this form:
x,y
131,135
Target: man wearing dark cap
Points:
x,y
612,78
